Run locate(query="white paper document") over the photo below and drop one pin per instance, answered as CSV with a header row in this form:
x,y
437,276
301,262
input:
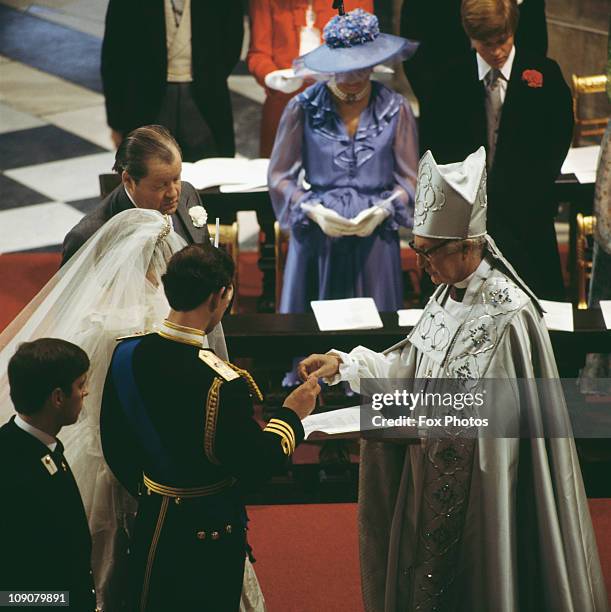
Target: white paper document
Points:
x,y
605,306
344,420
220,171
352,313
582,162
409,317
558,315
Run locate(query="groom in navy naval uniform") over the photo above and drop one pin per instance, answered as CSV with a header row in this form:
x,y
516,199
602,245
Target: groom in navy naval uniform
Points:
x,y
149,162
45,541
516,104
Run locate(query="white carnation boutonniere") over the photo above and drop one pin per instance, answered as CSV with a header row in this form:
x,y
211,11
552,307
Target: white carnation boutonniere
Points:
x,y
199,215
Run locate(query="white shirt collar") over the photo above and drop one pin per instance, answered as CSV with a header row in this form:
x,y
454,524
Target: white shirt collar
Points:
x,y
129,195
49,441
483,68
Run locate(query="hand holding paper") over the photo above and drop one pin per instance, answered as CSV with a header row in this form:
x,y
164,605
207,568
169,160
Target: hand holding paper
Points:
x,y
330,222
334,225
367,225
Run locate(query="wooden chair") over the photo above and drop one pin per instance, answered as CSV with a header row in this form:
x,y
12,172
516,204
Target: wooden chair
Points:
x,y
593,126
108,182
585,237
281,246
228,239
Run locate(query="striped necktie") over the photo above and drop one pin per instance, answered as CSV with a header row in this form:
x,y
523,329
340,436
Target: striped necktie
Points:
x,y
494,105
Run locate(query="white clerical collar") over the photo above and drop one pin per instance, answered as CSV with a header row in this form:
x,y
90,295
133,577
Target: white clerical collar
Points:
x,y
180,333
481,270
483,67
48,440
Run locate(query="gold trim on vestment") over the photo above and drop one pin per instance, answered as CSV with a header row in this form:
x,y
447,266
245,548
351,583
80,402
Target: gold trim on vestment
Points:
x,y
152,552
212,409
202,491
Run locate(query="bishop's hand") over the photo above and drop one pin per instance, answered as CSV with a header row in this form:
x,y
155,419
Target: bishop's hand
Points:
x,y
320,366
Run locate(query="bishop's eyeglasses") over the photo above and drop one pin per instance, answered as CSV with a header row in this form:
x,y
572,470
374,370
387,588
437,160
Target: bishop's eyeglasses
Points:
x,y
426,253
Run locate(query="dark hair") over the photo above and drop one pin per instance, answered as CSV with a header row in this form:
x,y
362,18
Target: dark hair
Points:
x,y
194,273
142,144
39,367
487,20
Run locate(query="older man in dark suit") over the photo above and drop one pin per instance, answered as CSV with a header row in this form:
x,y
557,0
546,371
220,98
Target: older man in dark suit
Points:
x,y
516,104
45,538
149,163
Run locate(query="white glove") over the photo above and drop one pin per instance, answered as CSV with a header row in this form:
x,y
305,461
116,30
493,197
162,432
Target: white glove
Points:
x,y
283,80
367,224
331,223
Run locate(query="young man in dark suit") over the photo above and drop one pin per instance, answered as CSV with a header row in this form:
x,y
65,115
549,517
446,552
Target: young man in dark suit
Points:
x,y
438,28
149,163
45,538
516,104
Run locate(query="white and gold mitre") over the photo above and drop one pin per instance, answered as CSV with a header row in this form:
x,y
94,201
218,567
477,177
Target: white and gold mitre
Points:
x,y
451,198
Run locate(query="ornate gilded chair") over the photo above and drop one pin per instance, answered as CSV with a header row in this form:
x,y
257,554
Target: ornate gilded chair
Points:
x,y
592,126
585,242
228,239
281,246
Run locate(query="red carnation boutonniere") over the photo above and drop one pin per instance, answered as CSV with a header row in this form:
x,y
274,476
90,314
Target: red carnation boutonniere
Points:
x,y
533,78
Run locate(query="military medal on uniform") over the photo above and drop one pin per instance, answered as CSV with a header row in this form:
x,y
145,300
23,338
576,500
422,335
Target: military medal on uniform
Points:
x,y
48,462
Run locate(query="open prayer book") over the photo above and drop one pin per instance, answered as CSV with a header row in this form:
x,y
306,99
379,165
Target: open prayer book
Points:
x,y
228,173
351,313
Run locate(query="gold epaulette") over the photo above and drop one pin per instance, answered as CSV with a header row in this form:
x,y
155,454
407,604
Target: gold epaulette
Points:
x,y
222,368
226,372
252,385
285,431
134,335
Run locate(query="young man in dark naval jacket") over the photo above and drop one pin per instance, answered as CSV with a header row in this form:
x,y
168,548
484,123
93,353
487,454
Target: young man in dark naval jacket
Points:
x,y
45,542
178,431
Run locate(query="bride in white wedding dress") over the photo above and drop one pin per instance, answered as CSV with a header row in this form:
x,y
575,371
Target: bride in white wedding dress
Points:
x,y
110,288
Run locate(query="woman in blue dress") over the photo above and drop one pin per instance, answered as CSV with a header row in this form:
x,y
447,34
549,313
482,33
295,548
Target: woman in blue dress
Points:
x,y
343,171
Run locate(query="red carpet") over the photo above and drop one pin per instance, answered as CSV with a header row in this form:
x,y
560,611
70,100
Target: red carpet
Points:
x,y
307,555
22,275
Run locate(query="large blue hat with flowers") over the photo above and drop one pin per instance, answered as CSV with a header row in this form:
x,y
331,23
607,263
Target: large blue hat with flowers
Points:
x,y
354,42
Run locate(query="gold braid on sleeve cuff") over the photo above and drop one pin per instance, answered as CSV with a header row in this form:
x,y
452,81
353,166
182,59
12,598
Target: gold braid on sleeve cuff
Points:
x,y
286,433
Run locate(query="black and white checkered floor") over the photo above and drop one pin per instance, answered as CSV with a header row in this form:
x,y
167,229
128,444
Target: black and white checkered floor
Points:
x,y
54,141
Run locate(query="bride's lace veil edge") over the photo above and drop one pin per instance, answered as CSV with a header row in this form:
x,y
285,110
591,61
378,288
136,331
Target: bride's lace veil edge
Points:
x,y
112,285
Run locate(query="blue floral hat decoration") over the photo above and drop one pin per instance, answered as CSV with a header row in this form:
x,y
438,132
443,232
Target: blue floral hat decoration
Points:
x,y
353,41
